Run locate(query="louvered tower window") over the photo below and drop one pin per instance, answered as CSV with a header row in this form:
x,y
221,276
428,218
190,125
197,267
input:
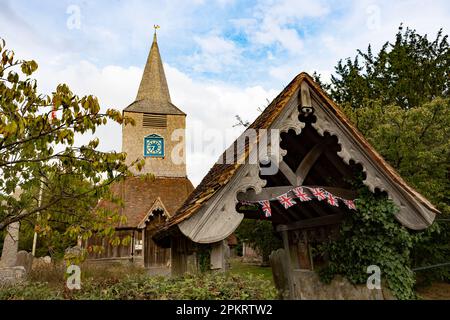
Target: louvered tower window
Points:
x,y
154,120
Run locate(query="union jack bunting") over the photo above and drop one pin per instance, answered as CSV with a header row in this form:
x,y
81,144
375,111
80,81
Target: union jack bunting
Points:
x,y
350,204
332,200
319,193
301,194
265,207
286,201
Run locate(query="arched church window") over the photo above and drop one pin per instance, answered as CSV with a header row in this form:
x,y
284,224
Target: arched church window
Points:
x,y
153,146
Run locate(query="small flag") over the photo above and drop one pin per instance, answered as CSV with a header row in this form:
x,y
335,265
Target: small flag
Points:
x,y
265,206
332,200
286,201
350,204
318,193
301,194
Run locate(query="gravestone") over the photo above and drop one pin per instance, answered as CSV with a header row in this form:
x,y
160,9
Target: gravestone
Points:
x,y
73,254
41,262
10,273
220,253
281,273
10,246
25,259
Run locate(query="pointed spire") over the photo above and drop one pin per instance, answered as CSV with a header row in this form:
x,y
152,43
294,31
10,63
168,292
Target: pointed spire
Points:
x,y
154,84
153,94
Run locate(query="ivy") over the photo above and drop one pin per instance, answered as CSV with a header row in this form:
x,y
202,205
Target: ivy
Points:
x,y
372,236
204,258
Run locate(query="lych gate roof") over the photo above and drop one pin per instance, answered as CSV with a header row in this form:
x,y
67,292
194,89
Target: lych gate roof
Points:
x,y
153,95
221,173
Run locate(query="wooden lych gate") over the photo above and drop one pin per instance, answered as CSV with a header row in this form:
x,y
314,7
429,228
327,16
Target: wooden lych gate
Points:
x,y
312,145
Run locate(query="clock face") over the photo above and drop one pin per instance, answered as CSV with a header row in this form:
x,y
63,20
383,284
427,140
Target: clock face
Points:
x,y
154,146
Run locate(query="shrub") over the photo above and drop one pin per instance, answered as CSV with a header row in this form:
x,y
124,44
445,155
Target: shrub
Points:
x,y
103,283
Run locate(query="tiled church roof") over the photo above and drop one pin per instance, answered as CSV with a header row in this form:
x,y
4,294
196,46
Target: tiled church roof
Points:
x,y
139,195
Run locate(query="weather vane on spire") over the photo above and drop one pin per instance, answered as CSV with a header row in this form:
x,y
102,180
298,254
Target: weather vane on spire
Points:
x,y
156,27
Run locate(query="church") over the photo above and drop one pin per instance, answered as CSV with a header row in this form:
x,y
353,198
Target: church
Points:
x,y
158,137
317,153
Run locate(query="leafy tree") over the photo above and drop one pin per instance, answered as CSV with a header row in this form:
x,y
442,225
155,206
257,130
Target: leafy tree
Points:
x,y
408,72
399,99
415,141
259,234
47,177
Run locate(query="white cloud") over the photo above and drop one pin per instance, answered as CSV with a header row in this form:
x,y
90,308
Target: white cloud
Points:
x,y
210,106
361,23
215,55
277,22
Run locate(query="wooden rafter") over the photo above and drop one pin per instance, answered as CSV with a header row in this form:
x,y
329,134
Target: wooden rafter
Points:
x,y
287,172
296,178
310,159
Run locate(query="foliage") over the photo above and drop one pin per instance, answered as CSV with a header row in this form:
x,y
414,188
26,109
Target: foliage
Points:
x,y
260,235
372,236
130,284
32,291
49,178
204,257
408,72
399,100
415,141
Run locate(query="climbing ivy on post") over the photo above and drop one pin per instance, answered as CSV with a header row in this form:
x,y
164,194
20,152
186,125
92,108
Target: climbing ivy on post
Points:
x,y
372,236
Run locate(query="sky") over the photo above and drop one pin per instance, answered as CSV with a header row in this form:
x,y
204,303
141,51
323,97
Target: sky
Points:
x,y
222,58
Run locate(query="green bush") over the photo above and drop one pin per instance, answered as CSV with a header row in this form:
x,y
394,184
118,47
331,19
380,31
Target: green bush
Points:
x,y
206,286
30,291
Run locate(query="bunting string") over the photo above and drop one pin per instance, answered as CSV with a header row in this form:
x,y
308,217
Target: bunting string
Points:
x,y
301,194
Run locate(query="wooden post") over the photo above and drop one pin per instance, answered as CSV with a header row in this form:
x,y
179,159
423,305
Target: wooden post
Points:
x,y
284,235
178,255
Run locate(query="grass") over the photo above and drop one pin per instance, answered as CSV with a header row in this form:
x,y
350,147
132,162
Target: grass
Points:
x,y
240,268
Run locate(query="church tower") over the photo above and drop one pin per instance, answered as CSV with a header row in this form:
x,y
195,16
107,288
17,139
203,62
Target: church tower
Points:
x,y
158,135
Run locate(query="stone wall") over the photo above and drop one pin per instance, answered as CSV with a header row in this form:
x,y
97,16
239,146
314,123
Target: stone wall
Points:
x,y
307,286
133,145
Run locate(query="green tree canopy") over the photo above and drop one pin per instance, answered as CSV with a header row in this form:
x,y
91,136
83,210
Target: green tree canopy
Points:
x,y
399,99
408,72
